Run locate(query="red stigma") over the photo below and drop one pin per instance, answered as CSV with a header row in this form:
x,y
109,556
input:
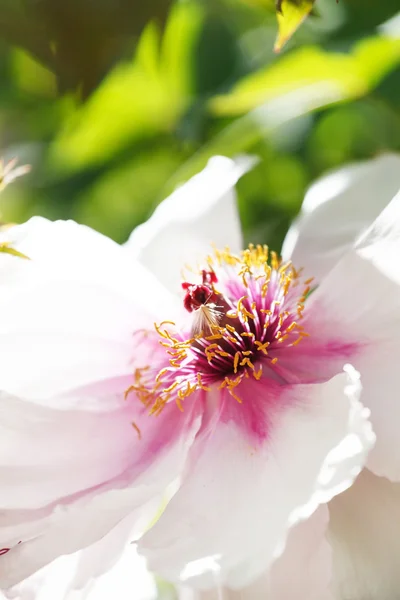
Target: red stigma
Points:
x,y
209,277
199,294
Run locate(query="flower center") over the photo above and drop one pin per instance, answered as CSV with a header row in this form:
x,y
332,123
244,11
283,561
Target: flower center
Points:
x,y
245,311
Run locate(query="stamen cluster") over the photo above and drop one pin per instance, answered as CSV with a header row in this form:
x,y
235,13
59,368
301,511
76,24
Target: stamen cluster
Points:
x,y
252,307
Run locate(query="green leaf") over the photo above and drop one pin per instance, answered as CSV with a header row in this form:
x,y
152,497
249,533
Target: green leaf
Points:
x,y
30,76
139,182
305,80
270,5
138,99
290,15
312,78
5,248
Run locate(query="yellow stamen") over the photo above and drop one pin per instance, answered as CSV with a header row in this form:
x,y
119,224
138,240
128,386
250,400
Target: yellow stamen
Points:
x,y
162,373
246,362
136,428
262,347
236,361
255,268
257,374
201,385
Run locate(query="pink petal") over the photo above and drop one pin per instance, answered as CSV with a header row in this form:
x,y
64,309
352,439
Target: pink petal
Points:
x,y
247,482
69,477
71,463
71,311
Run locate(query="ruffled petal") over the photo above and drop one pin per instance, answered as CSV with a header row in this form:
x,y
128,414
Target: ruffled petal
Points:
x,y
364,533
303,571
354,316
69,477
70,312
201,212
337,209
76,458
266,465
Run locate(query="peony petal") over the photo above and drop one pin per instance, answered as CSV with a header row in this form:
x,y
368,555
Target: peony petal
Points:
x,y
183,227
70,312
77,577
82,453
303,570
127,580
355,312
337,209
60,500
365,538
71,463
308,559
378,363
253,476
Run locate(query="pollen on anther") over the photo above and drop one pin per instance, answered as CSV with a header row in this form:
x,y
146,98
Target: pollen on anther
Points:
x,y
262,347
236,361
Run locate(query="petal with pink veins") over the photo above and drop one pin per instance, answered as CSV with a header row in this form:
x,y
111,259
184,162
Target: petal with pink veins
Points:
x,y
69,477
200,212
263,466
71,311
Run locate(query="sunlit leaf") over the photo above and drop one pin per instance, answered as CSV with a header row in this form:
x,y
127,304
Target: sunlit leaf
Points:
x,y
306,80
270,5
31,76
138,98
314,76
290,15
139,183
5,248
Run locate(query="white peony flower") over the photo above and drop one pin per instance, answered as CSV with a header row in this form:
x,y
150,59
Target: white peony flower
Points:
x,y
244,405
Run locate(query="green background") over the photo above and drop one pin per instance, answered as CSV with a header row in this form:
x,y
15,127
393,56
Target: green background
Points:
x,y
114,103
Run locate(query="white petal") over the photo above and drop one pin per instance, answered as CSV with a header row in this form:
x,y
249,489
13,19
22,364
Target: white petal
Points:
x,y
128,580
303,571
365,537
358,305
64,490
337,209
49,453
104,570
71,464
70,312
183,227
240,496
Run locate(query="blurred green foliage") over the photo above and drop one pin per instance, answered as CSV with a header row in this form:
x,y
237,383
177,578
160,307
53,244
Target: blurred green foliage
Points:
x,y
115,103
